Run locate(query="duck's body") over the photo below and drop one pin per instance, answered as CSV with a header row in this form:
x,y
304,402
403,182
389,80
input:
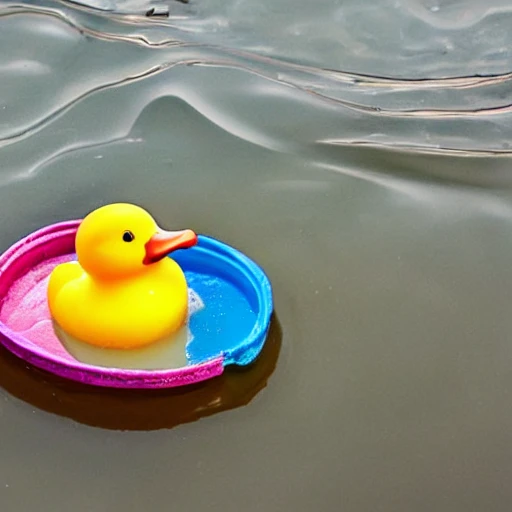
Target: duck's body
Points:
x,y
119,314
127,304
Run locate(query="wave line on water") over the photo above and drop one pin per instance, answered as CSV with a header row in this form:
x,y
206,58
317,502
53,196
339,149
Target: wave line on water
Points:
x,y
45,121
321,84
456,82
413,148
373,110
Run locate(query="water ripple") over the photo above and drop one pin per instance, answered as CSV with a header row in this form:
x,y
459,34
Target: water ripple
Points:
x,y
458,115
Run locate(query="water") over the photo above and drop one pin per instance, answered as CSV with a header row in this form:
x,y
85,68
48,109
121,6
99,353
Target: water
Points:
x,y
167,353
360,152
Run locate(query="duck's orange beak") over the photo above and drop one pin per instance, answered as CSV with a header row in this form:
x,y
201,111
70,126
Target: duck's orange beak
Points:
x,y
164,242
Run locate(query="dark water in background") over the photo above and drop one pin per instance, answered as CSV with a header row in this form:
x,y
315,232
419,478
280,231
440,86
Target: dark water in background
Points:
x,y
360,152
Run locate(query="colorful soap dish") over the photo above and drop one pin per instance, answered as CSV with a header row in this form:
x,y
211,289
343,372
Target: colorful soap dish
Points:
x,y
231,302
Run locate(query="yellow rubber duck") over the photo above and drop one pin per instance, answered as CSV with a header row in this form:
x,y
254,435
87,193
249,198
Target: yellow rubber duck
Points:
x,y
122,292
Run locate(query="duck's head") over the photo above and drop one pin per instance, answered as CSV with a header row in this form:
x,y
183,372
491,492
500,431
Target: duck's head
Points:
x,y
119,240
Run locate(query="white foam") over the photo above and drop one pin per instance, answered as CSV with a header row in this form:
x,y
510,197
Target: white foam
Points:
x,y
195,304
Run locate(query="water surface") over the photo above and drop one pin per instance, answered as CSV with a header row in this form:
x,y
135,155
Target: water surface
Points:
x,y
360,153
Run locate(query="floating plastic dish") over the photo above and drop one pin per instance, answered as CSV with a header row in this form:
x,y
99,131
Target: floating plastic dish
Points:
x,y
230,306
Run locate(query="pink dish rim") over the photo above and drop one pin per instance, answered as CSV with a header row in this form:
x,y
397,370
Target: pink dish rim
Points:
x,y
58,240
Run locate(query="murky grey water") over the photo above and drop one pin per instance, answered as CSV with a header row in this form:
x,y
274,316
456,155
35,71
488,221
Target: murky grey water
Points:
x,y
360,152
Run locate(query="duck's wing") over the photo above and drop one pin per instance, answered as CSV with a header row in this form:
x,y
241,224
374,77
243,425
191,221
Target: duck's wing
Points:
x,y
61,275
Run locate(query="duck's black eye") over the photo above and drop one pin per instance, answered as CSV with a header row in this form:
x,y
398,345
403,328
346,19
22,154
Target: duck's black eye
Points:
x,y
128,236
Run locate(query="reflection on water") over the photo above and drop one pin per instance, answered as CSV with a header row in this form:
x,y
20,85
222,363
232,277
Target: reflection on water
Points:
x,y
140,410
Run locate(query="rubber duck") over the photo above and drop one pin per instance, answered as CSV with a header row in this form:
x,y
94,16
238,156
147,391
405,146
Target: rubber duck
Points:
x,y
123,292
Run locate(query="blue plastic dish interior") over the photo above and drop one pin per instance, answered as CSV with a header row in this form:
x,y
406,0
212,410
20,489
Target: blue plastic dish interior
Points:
x,y
237,297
